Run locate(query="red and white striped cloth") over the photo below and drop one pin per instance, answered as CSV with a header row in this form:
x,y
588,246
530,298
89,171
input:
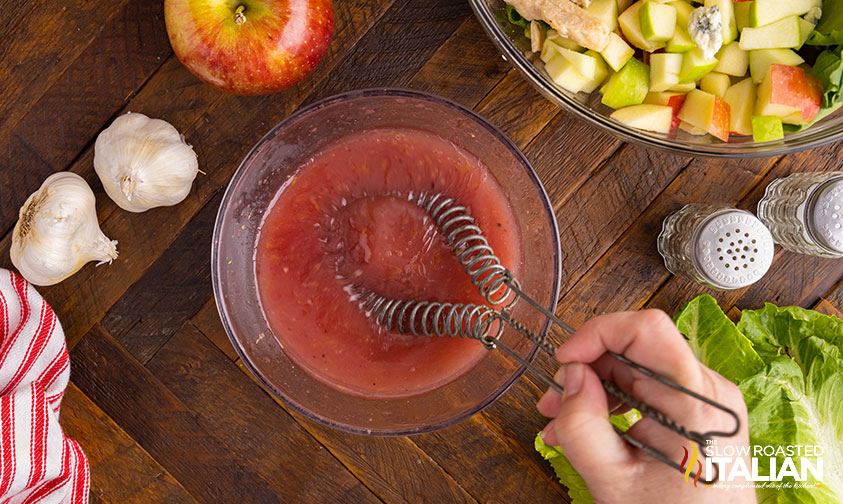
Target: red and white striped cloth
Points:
x,y
38,464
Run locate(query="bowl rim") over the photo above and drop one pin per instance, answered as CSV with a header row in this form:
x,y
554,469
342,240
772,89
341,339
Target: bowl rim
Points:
x,y
216,264
541,83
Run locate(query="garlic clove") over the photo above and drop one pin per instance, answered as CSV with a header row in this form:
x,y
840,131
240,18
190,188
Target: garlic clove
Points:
x,y
144,163
57,231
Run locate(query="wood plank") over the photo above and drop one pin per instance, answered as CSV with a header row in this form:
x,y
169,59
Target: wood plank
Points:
x,y
197,373
222,128
42,46
255,428
465,68
171,291
405,38
96,85
783,283
161,424
208,322
827,308
121,471
12,14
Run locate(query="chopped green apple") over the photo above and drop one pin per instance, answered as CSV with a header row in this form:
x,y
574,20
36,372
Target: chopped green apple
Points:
x,y
727,16
742,14
628,86
761,59
715,83
617,52
681,41
590,64
664,71
787,90
630,26
658,21
656,118
732,60
683,12
764,12
781,34
707,112
767,128
694,66
741,100
606,11
566,75
684,88
561,41
549,50
805,29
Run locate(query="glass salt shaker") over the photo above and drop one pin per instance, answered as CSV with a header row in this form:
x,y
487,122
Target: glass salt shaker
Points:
x,y
804,212
717,246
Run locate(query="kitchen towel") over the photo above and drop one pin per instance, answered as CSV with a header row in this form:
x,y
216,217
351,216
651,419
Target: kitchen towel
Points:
x,y
38,464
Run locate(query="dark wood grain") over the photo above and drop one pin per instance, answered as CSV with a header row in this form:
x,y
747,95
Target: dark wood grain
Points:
x,y
171,291
161,424
252,425
119,60
113,455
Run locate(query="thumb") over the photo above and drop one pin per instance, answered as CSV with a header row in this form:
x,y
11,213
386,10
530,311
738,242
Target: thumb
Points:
x,y
582,427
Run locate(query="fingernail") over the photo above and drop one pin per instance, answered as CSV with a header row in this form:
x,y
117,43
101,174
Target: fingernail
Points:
x,y
559,377
573,378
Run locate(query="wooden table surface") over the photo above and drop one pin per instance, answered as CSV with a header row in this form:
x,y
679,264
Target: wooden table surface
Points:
x,y
158,399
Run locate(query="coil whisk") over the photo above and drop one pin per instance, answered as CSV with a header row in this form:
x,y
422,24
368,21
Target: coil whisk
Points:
x,y
428,318
471,248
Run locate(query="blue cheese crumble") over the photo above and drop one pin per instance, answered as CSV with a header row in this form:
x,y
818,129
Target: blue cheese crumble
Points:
x,y
705,25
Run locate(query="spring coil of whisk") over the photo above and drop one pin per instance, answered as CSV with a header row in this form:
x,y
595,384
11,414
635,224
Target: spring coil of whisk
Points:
x,y
426,318
471,248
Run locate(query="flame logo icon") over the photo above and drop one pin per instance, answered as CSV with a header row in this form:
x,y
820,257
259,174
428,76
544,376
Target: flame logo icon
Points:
x,y
691,463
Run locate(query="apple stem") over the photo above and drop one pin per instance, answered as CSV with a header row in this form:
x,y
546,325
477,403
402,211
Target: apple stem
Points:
x,y
239,17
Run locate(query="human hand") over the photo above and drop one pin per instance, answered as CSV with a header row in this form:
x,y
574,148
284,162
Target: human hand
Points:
x,y
615,471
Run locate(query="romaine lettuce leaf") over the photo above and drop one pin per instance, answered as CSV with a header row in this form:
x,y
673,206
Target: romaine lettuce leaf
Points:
x,y
568,476
829,31
716,341
829,70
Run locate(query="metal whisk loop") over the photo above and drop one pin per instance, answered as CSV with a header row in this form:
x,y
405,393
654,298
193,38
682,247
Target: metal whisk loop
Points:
x,y
471,248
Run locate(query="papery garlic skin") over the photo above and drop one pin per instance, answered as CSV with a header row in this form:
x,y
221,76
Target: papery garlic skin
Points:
x,y
144,163
57,231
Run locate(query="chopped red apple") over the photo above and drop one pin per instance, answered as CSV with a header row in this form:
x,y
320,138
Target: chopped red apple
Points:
x,y
672,100
741,100
656,118
707,112
786,90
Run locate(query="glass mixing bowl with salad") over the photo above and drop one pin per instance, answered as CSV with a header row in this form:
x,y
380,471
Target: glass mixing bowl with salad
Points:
x,y
718,77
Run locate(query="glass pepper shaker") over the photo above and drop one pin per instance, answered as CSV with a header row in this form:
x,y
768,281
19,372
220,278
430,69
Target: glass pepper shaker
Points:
x,y
717,246
804,212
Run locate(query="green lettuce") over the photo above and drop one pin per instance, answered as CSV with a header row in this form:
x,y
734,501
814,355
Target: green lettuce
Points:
x,y
568,476
788,363
829,31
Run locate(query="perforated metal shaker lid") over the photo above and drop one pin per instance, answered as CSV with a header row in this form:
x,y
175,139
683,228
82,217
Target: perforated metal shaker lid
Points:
x,y
825,217
732,249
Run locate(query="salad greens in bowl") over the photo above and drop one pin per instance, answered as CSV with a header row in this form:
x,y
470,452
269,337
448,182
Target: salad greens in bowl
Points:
x,y
715,78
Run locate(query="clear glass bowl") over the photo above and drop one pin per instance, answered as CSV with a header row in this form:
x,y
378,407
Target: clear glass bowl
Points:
x,y
515,48
268,166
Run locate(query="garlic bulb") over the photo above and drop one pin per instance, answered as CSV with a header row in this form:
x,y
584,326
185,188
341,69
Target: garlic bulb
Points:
x,y
144,163
57,231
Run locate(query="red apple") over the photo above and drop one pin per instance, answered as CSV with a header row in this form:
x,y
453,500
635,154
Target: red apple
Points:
x,y
707,112
786,90
250,47
672,100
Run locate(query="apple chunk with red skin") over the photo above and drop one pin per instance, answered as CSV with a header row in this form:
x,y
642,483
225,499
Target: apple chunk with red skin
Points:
x,y
250,47
707,112
672,100
786,90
